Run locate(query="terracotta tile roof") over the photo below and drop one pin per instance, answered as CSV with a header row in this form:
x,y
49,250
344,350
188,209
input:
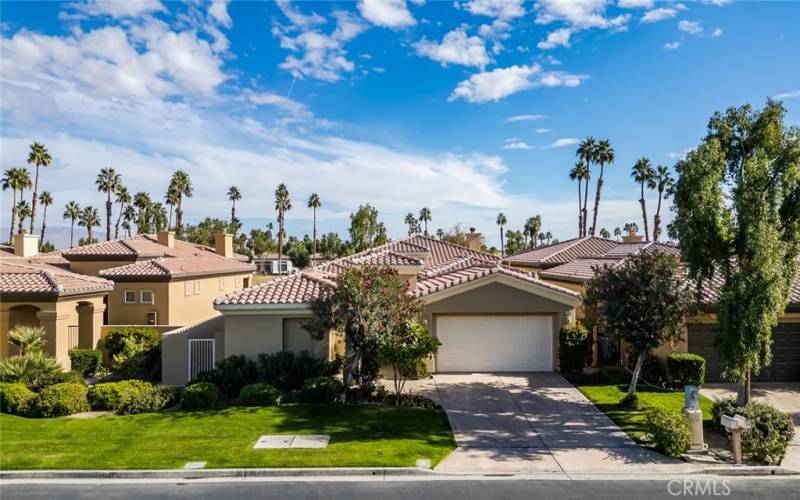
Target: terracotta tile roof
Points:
x,y
52,258
444,265
580,270
20,276
178,267
563,252
139,246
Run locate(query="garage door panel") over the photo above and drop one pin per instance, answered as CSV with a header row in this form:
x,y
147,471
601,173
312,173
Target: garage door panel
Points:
x,y
495,343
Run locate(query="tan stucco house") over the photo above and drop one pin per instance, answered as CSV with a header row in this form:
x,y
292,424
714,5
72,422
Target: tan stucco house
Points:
x,y
38,290
571,264
161,280
487,317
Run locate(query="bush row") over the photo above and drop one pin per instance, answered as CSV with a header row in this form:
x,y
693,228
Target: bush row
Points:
x,y
770,433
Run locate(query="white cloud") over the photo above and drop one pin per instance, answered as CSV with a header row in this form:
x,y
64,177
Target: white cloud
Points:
x,y
456,48
523,118
517,145
672,45
219,11
716,33
297,18
387,13
578,13
655,15
559,37
552,60
635,4
691,27
119,9
542,130
504,9
502,82
787,95
319,55
718,3
379,70
565,141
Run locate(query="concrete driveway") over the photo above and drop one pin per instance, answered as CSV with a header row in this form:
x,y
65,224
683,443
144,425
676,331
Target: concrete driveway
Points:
x,y
532,423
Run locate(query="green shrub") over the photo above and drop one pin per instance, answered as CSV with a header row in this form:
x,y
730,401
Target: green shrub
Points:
x,y
722,407
231,374
287,371
670,431
15,398
321,390
631,402
769,435
652,371
201,395
34,369
605,375
85,361
686,369
259,395
61,399
573,342
135,352
167,395
130,396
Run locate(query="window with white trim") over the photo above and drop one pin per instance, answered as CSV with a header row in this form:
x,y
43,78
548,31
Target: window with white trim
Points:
x,y
222,282
197,287
188,288
146,297
130,296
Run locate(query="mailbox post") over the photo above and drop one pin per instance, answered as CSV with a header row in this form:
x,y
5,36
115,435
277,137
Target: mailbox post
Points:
x,y
694,416
735,425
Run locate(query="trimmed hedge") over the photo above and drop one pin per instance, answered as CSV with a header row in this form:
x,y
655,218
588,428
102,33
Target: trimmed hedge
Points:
x,y
15,398
287,371
231,374
61,399
321,390
259,395
85,361
201,395
573,341
131,396
770,433
686,369
670,431
135,352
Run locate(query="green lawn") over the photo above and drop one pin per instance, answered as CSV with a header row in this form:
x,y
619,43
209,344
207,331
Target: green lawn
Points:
x,y
608,397
361,436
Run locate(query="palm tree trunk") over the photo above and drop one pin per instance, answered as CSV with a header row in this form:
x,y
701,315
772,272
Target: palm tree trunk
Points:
x,y
585,201
33,201
597,200
179,216
280,242
109,208
169,223
314,244
72,234
233,212
644,214
580,218
21,221
502,244
44,225
89,232
119,219
13,219
657,218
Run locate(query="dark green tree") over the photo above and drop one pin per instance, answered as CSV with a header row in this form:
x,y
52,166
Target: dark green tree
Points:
x,y
365,229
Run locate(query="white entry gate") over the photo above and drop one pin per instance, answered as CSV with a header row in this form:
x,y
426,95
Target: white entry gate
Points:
x,y
201,356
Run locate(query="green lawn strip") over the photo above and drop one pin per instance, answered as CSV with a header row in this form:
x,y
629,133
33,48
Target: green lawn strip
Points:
x,y
361,436
608,398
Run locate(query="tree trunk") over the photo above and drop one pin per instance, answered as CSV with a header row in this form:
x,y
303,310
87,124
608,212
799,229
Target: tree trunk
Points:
x,y
351,361
89,232
644,214
636,370
72,234
743,397
33,200
657,218
13,219
314,244
44,225
109,209
169,223
580,217
502,244
597,200
179,217
585,212
119,219
280,242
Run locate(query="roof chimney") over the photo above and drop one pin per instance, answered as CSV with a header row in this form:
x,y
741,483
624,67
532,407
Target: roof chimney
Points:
x,y
166,238
223,244
473,240
632,237
26,245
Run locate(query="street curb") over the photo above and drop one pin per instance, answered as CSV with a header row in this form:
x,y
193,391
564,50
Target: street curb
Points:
x,y
216,473
751,471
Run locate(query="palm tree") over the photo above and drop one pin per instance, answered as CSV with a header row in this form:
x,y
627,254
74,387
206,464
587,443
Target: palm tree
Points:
x,y
89,219
108,180
531,229
183,187
587,152
425,217
46,199
643,173
314,203
128,216
15,179
440,233
580,172
27,338
158,215
542,237
282,204
663,183
604,233
234,195
72,211
617,233
171,199
23,212
502,221
548,236
604,155
124,199
40,157
142,202
631,227
411,222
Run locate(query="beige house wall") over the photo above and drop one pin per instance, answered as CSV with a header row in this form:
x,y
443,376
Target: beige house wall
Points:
x,y
175,348
120,313
55,316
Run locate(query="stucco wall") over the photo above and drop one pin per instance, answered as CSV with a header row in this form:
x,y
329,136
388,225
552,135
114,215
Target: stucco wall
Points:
x,y
120,313
253,334
297,339
175,348
185,309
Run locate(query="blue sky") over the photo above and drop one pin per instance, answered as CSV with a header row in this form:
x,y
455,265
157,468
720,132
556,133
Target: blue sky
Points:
x,y
470,107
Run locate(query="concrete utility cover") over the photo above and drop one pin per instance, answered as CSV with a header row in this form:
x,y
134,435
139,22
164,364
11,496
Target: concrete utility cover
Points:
x,y
284,441
195,465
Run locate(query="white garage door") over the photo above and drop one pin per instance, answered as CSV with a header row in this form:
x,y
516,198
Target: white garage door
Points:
x,y
494,343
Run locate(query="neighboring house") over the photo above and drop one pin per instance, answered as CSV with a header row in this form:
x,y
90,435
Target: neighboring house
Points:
x,y
487,317
160,280
36,290
267,263
571,264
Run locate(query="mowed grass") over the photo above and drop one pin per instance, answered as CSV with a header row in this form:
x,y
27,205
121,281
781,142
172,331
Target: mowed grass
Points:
x,y
608,398
360,436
